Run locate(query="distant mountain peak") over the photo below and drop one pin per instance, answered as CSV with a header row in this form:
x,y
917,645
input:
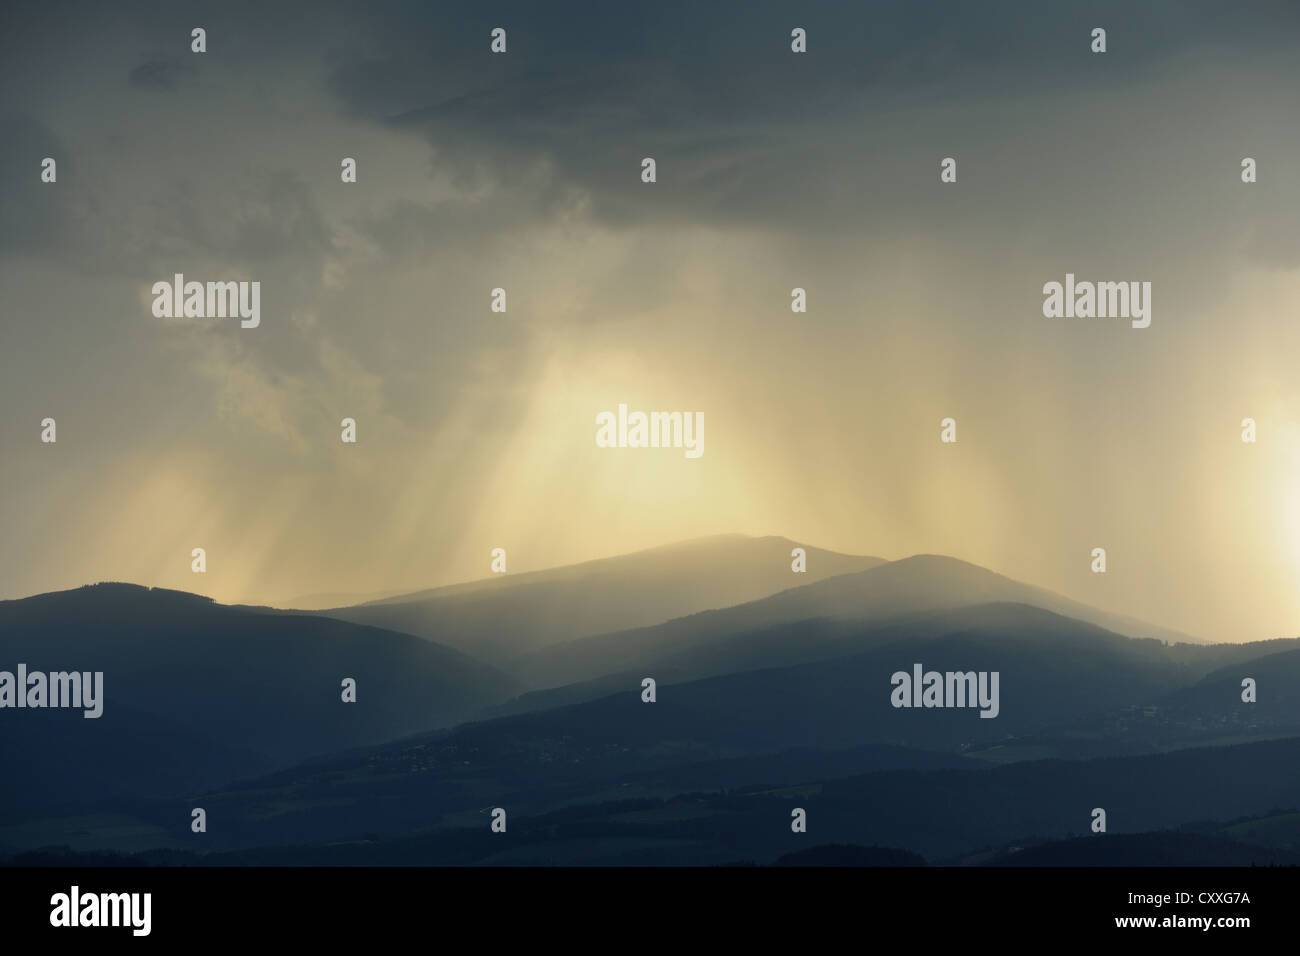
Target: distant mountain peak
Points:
x,y
115,590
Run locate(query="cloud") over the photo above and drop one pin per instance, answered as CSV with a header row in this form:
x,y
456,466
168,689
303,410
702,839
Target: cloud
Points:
x,y
522,171
162,74
35,217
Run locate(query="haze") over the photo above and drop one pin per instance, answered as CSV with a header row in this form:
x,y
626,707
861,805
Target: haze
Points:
x,y
522,171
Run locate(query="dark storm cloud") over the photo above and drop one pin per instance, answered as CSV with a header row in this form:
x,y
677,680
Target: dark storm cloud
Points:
x,y
523,171
746,133
33,215
162,74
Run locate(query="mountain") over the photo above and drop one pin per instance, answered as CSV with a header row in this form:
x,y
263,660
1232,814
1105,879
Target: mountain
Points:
x,y
835,854
329,599
444,780
1216,698
768,728
499,618
896,591
1169,848
785,697
196,692
1053,671
960,815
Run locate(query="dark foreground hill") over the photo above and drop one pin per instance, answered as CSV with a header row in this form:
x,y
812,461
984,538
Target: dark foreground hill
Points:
x,y
223,704
1065,689
1165,848
836,854
943,816
196,693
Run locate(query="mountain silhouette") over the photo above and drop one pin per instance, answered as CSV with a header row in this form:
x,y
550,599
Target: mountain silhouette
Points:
x,y
975,815
892,592
499,618
784,696
225,691
1167,848
1217,696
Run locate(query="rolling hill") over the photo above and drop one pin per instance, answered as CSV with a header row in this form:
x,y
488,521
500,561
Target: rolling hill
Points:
x,y
894,592
196,692
499,618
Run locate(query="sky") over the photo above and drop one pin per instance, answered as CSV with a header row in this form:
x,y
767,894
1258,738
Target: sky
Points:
x,y
775,170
